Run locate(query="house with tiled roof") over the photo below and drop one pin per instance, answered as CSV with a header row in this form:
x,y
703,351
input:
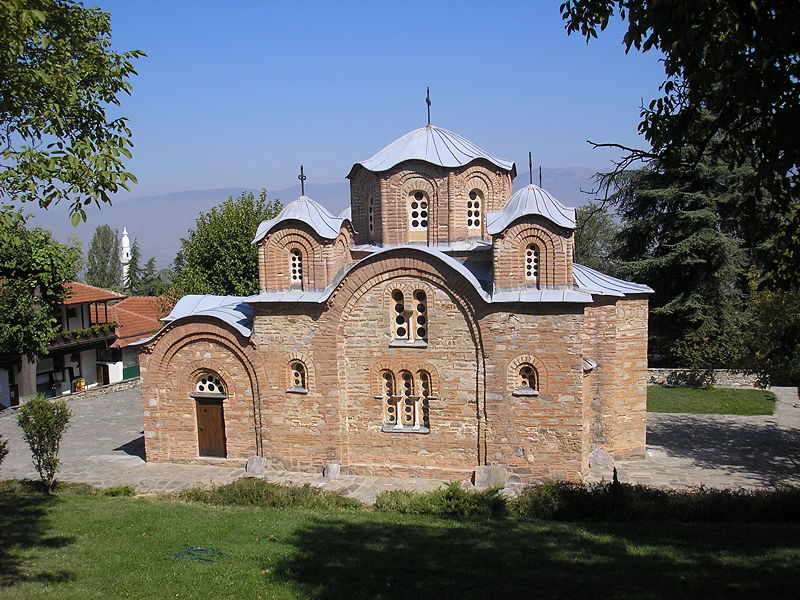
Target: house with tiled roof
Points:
x,y
437,328
72,361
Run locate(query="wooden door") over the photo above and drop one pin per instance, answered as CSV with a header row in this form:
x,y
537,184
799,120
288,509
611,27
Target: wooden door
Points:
x,y
210,428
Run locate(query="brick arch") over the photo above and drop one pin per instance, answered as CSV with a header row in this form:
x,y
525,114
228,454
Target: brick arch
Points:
x,y
407,262
308,363
516,244
395,366
513,371
161,363
277,258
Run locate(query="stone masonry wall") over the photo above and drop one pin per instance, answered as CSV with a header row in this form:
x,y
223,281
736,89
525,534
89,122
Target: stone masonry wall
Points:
x,y
170,369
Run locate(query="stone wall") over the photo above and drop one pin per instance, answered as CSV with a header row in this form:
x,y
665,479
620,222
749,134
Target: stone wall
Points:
x,y
690,378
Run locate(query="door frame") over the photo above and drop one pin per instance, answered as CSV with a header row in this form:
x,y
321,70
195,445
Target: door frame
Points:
x,y
216,399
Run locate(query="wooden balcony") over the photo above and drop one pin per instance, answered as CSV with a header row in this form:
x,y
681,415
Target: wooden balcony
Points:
x,y
93,336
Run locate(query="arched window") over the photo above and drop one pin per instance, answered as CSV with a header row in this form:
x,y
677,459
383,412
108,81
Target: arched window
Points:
x,y
407,411
418,205
532,264
527,381
421,314
297,378
209,384
296,266
371,214
474,211
410,323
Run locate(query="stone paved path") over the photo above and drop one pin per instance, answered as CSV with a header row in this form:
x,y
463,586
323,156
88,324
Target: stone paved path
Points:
x,y
104,446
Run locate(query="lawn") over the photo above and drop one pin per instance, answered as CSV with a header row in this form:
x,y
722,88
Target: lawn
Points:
x,y
79,546
722,401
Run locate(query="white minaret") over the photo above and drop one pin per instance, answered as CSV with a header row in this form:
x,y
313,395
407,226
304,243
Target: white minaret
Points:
x,y
125,254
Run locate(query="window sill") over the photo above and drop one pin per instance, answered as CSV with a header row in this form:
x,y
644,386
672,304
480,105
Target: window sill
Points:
x,y
525,391
396,343
297,390
405,429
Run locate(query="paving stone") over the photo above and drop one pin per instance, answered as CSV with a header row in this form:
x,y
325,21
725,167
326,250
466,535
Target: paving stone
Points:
x,y
683,450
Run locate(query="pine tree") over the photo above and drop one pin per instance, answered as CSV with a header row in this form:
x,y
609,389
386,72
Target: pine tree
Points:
x,y
103,268
680,237
134,278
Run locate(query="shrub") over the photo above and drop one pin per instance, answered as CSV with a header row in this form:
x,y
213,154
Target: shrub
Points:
x,y
43,423
250,491
119,490
451,501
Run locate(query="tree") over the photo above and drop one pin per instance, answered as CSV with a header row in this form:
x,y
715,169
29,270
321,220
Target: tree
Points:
x,y
103,267
773,344
33,270
59,75
730,94
151,284
43,423
134,278
217,256
679,237
595,237
74,248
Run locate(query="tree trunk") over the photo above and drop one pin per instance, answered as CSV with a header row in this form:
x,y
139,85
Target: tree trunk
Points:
x,y
27,380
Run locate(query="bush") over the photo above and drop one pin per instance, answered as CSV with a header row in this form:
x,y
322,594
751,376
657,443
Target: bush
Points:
x,y
452,501
250,491
119,490
43,423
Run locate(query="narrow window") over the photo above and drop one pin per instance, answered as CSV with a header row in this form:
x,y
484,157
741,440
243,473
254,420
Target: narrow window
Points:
x,y
407,400
296,266
389,398
532,264
399,316
527,381
420,314
418,216
474,208
297,377
371,214
422,417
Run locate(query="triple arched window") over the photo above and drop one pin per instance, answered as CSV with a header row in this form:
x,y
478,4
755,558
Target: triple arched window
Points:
x,y
409,317
406,401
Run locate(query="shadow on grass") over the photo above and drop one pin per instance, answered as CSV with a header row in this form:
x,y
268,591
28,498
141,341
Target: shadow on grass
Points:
x,y
23,527
433,559
768,453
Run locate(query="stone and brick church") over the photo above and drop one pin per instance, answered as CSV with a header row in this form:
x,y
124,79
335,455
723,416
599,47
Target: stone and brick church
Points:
x,y
438,325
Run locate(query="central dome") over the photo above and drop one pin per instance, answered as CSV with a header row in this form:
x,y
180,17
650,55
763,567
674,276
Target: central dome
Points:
x,y
435,146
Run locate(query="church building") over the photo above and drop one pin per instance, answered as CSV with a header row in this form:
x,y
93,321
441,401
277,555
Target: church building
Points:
x,y
437,326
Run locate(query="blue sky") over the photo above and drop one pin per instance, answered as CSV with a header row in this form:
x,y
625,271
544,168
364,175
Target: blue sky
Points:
x,y
238,94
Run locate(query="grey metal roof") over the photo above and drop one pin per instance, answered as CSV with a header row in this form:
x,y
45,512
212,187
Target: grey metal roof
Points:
x,y
530,200
307,211
232,310
433,145
594,282
523,295
347,213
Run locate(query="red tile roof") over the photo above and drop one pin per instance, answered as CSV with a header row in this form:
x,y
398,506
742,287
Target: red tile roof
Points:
x,y
137,317
82,293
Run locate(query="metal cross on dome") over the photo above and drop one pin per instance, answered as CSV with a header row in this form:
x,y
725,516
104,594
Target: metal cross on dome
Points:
x,y
302,179
428,102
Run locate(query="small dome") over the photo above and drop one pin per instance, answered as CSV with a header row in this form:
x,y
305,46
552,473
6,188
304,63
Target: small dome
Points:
x,y
530,200
308,211
433,145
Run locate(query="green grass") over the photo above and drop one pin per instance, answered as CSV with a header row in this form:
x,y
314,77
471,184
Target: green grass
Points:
x,y
79,545
721,401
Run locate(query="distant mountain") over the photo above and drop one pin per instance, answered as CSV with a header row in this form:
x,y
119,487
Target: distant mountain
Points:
x,y
158,222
